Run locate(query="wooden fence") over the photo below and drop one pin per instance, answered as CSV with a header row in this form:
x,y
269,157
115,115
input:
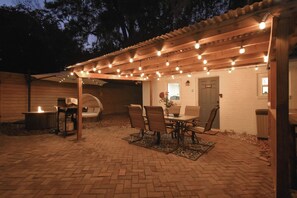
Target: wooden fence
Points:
x,y
14,95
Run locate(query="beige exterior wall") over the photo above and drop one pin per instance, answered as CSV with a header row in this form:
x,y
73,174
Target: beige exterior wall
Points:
x,y
239,101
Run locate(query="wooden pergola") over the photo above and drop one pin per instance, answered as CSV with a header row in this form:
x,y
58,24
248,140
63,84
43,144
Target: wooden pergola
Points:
x,y
215,44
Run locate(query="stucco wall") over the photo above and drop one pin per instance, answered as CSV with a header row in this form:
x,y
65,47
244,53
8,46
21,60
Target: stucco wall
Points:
x,y
239,101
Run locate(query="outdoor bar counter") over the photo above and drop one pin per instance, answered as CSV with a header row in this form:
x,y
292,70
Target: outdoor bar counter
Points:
x,y
35,120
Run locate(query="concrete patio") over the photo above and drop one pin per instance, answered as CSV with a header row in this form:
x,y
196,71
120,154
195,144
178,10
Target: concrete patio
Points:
x,y
104,165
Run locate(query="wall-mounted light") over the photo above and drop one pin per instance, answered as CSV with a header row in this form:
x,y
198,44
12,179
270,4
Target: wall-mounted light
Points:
x,y
187,83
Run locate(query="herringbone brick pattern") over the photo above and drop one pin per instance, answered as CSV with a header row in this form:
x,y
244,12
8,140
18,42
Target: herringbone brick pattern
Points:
x,y
104,165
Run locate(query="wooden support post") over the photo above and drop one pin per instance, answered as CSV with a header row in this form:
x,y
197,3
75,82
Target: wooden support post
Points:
x,y
79,108
282,100
151,93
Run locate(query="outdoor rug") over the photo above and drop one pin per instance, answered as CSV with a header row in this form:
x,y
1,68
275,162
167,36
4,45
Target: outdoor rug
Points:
x,y
168,145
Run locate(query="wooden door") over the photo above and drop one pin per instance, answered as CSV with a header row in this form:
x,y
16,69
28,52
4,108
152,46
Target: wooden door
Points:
x,y
209,98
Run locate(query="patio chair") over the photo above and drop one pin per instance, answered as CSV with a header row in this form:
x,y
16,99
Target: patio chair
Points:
x,y
192,111
137,120
156,121
93,108
207,125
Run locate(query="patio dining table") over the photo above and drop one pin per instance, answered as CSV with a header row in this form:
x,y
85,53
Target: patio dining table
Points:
x,y
181,122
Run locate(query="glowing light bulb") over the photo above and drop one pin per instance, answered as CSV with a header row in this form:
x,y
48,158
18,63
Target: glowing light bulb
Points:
x,y
142,75
87,72
126,76
204,68
131,60
159,53
139,68
233,63
204,61
197,45
99,71
81,71
199,57
265,58
131,74
241,50
158,78
189,75
232,68
167,63
181,71
94,69
118,70
207,72
262,25
177,68
110,65
172,76
71,73
229,71
256,68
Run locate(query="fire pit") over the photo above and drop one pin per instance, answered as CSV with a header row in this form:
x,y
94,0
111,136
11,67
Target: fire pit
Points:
x,y
40,120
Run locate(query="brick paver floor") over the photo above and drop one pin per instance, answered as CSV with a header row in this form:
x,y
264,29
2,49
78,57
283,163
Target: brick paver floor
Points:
x,y
104,165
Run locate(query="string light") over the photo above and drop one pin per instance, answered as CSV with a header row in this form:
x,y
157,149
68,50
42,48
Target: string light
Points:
x,y
256,68
159,53
204,68
181,71
126,76
87,72
262,25
189,75
119,75
139,68
177,68
197,45
172,76
94,69
110,65
265,57
204,61
118,70
71,73
199,57
241,50
229,71
99,71
208,72
167,63
141,75
158,78
131,74
233,62
232,68
81,71
131,60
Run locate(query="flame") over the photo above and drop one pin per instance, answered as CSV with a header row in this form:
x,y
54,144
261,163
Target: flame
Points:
x,y
39,110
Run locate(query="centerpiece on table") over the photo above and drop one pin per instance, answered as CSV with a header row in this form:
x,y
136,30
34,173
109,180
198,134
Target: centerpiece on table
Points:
x,y
167,102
